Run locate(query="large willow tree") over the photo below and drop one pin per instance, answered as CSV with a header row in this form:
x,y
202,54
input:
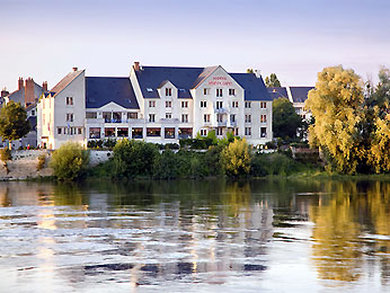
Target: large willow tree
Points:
x,y
378,115
337,106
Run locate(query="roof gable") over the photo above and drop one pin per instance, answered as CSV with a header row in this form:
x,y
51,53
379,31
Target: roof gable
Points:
x,y
65,81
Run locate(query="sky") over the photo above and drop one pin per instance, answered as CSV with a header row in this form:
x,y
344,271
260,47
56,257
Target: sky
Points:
x,y
295,39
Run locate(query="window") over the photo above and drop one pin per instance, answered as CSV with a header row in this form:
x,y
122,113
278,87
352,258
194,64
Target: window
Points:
x,y
184,104
206,118
235,104
152,104
109,132
168,104
153,131
94,132
232,118
59,130
203,132
32,112
132,115
247,104
219,104
69,117
168,92
91,115
169,132
219,131
203,104
168,115
248,118
219,118
263,132
248,131
263,118
219,92
235,131
263,105
184,118
232,92
137,133
149,90
123,132
206,91
152,117
69,101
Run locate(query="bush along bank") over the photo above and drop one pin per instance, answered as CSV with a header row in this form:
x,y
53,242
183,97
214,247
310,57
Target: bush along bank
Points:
x,y
236,159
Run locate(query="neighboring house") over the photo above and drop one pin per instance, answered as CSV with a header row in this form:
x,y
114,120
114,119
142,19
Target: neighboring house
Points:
x,y
27,95
297,95
155,104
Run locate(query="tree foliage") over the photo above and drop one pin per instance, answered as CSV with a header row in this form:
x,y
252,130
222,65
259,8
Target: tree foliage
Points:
x,y
285,121
336,104
378,124
236,158
272,81
70,161
13,121
134,158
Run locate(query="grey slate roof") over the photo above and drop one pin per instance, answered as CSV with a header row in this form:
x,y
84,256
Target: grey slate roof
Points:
x,y
33,122
299,93
277,92
18,95
151,78
103,90
255,89
63,83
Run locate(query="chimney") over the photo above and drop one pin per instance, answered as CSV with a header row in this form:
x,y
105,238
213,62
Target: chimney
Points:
x,y
20,83
44,86
29,92
136,66
74,68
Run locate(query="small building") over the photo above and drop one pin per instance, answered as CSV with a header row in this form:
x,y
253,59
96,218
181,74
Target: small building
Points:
x,y
156,104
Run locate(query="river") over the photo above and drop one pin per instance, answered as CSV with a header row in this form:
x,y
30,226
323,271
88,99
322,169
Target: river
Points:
x,y
195,236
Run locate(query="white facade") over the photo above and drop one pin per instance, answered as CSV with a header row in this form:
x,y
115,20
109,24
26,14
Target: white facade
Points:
x,y
216,103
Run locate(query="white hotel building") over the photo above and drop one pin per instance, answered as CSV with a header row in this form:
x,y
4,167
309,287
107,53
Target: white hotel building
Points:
x,y
155,104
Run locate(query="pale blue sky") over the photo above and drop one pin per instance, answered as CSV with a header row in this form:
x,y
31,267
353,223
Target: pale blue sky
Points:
x,y
295,39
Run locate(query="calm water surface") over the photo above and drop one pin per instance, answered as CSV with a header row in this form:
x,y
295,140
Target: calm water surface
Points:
x,y
203,236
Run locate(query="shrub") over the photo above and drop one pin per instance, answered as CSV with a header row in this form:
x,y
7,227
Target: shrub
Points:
x,y
134,158
41,162
273,164
236,158
69,162
166,165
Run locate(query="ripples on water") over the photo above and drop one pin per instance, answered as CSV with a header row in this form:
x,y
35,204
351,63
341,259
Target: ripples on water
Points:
x,y
183,236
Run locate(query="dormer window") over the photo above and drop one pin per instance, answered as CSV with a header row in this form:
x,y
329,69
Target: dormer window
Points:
x,y
168,92
149,90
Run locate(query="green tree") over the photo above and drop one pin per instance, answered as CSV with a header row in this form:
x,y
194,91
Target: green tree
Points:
x,y
134,158
285,121
250,70
70,161
272,81
13,122
336,104
236,158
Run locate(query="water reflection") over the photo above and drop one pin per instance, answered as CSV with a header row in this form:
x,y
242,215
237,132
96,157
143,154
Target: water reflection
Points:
x,y
210,232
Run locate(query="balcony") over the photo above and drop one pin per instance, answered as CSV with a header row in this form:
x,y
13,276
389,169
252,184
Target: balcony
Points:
x,y
221,110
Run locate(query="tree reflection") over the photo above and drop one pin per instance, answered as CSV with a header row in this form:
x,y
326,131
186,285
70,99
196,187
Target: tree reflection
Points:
x,y
351,212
